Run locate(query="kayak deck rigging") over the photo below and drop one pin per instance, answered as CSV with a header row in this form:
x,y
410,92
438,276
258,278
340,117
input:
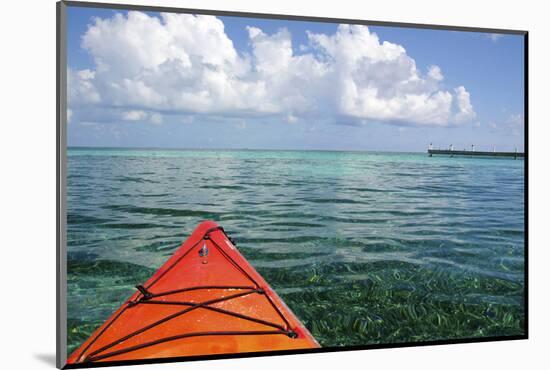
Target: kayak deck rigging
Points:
x,y
99,348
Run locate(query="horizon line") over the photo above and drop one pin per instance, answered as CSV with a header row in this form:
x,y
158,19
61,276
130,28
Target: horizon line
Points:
x,y
237,149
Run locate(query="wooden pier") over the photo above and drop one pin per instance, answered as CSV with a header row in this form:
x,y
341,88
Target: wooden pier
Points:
x,y
472,153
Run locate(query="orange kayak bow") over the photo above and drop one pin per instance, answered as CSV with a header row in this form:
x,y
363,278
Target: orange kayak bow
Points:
x,y
206,299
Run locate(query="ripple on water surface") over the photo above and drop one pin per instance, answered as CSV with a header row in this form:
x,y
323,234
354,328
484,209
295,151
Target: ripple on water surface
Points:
x,y
364,247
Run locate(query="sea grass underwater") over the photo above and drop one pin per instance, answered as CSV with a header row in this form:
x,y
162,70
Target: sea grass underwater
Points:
x,y
390,303
365,248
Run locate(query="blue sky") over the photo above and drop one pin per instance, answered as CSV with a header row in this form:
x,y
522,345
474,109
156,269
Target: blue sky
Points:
x,y
143,80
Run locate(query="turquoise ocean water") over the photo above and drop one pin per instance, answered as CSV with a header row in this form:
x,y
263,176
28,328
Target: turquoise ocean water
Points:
x,y
364,247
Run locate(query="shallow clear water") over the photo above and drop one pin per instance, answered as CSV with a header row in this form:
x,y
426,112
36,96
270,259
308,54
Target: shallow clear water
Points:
x,y
364,247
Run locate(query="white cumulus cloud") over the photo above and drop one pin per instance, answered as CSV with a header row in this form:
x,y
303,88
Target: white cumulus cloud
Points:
x,y
516,119
140,115
82,88
187,65
134,115
465,110
379,81
435,73
494,36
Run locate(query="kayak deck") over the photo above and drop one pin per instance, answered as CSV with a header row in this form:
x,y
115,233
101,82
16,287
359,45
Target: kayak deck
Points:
x,y
206,299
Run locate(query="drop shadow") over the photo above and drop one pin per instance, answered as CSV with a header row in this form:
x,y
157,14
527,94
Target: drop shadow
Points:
x,y
46,358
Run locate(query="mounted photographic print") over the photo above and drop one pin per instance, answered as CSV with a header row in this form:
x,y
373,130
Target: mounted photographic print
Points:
x,y
234,184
